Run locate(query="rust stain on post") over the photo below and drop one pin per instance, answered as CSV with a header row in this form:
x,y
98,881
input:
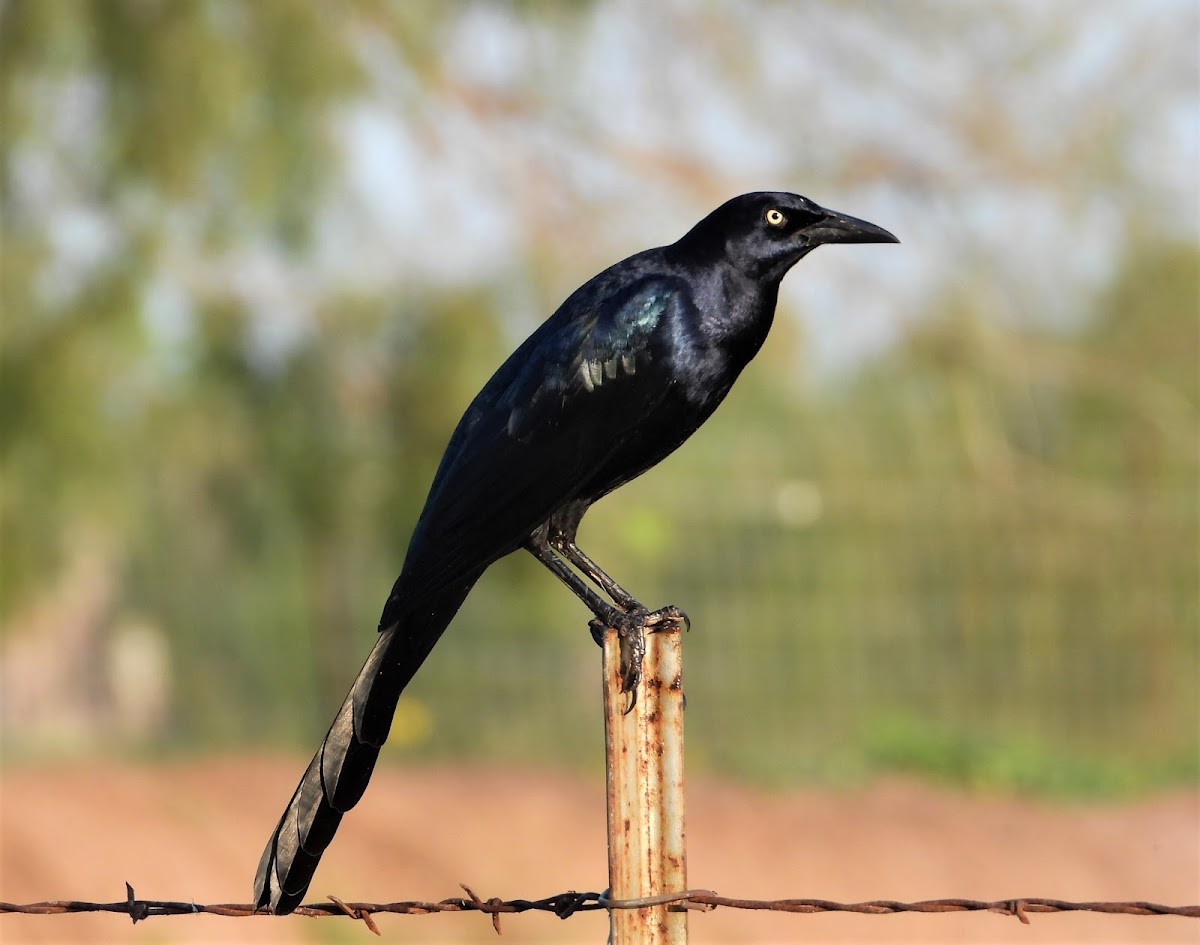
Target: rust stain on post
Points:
x,y
646,839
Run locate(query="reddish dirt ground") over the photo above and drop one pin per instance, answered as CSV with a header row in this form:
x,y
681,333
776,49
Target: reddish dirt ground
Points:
x,y
194,832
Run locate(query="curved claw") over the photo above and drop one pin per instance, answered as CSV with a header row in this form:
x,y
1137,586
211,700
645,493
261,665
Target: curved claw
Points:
x,y
671,616
682,618
633,652
631,629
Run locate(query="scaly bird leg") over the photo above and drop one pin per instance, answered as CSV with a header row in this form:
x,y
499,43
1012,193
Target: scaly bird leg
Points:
x,y
631,625
573,553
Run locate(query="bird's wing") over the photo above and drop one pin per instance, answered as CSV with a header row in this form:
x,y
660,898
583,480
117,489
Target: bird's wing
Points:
x,y
605,346
555,409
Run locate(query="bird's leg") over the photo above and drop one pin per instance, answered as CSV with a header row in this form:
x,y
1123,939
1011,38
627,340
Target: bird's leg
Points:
x,y
623,599
604,611
631,627
573,553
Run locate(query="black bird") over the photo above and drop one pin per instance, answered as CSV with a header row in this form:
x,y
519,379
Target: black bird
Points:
x,y
631,364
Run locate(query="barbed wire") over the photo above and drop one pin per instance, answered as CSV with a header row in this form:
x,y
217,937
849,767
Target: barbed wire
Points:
x,y
569,903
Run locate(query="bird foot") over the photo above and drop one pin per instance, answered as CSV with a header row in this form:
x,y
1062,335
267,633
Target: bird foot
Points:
x,y
631,631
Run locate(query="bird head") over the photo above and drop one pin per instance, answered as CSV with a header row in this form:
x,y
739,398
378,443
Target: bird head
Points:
x,y
764,234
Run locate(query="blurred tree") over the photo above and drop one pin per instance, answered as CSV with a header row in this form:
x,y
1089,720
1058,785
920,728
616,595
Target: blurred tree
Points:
x,y
255,259
127,124
142,143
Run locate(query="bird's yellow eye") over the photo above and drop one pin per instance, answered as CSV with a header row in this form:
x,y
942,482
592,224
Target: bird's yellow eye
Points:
x,y
775,217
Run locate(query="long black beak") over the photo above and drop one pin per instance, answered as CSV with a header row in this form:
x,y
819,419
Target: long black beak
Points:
x,y
840,228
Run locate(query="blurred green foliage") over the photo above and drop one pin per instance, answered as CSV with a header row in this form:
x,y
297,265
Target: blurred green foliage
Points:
x,y
975,558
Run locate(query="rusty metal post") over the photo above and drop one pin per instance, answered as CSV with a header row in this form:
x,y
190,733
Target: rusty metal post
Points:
x,y
646,840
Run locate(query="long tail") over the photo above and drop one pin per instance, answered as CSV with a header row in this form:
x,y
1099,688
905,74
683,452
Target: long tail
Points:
x,y
339,772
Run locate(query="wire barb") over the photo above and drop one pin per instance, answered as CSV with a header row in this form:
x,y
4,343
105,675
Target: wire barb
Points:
x,y
359,913
137,910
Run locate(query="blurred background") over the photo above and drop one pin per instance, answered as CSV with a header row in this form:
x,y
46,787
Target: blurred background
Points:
x,y
256,259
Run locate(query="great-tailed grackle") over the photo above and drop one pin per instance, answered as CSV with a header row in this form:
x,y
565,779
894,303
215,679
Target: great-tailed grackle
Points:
x,y
627,369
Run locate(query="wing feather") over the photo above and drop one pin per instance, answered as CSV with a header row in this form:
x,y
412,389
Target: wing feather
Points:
x,y
555,410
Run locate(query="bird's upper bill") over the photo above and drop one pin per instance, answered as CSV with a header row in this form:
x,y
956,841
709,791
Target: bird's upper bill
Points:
x,y
837,227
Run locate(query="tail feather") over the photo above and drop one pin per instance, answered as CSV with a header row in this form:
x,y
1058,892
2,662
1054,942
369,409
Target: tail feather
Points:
x,y
339,772
348,759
